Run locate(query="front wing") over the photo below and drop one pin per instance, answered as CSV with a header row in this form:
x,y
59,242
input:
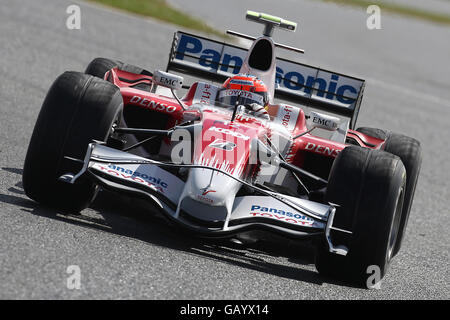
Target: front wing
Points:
x,y
278,213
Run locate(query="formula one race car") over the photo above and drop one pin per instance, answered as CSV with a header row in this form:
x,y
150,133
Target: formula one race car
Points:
x,y
226,160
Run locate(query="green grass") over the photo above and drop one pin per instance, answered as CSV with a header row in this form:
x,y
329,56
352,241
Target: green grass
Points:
x,y
399,9
159,9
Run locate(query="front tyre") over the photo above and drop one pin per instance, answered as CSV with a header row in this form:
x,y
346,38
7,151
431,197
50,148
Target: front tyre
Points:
x,y
77,109
410,152
368,185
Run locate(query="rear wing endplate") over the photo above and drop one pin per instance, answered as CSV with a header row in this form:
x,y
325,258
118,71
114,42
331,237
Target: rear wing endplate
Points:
x,y
295,82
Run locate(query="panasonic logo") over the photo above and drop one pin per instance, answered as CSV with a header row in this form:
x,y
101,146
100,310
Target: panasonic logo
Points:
x,y
135,174
261,209
278,214
294,80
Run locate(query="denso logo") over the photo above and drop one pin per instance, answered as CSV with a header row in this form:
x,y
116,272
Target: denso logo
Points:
x,y
290,79
152,104
322,149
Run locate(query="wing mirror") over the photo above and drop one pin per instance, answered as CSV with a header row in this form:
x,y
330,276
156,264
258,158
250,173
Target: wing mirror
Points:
x,y
324,121
169,80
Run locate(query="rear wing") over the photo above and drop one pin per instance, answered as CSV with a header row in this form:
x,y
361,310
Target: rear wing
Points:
x,y
295,82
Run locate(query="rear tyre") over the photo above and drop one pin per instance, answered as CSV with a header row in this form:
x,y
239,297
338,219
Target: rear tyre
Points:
x,y
99,66
410,151
368,186
77,109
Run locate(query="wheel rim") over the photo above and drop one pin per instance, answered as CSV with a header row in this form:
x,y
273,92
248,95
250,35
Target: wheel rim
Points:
x,y
115,123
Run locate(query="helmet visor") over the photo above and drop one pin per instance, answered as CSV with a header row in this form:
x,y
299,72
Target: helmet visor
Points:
x,y
241,97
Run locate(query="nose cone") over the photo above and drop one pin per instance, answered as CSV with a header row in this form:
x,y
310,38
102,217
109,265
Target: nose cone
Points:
x,y
209,195
210,187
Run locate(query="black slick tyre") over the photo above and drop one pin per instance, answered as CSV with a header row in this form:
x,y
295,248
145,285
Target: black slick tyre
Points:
x,y
77,109
368,185
410,152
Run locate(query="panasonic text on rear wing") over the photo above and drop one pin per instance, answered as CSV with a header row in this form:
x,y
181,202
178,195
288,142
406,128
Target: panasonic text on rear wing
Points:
x,y
296,82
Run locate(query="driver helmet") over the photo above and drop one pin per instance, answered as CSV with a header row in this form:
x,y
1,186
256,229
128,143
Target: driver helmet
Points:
x,y
246,90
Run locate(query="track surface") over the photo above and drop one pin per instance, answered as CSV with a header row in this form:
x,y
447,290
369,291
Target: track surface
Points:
x,y
138,256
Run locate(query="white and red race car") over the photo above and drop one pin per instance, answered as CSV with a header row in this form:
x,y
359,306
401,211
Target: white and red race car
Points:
x,y
220,167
